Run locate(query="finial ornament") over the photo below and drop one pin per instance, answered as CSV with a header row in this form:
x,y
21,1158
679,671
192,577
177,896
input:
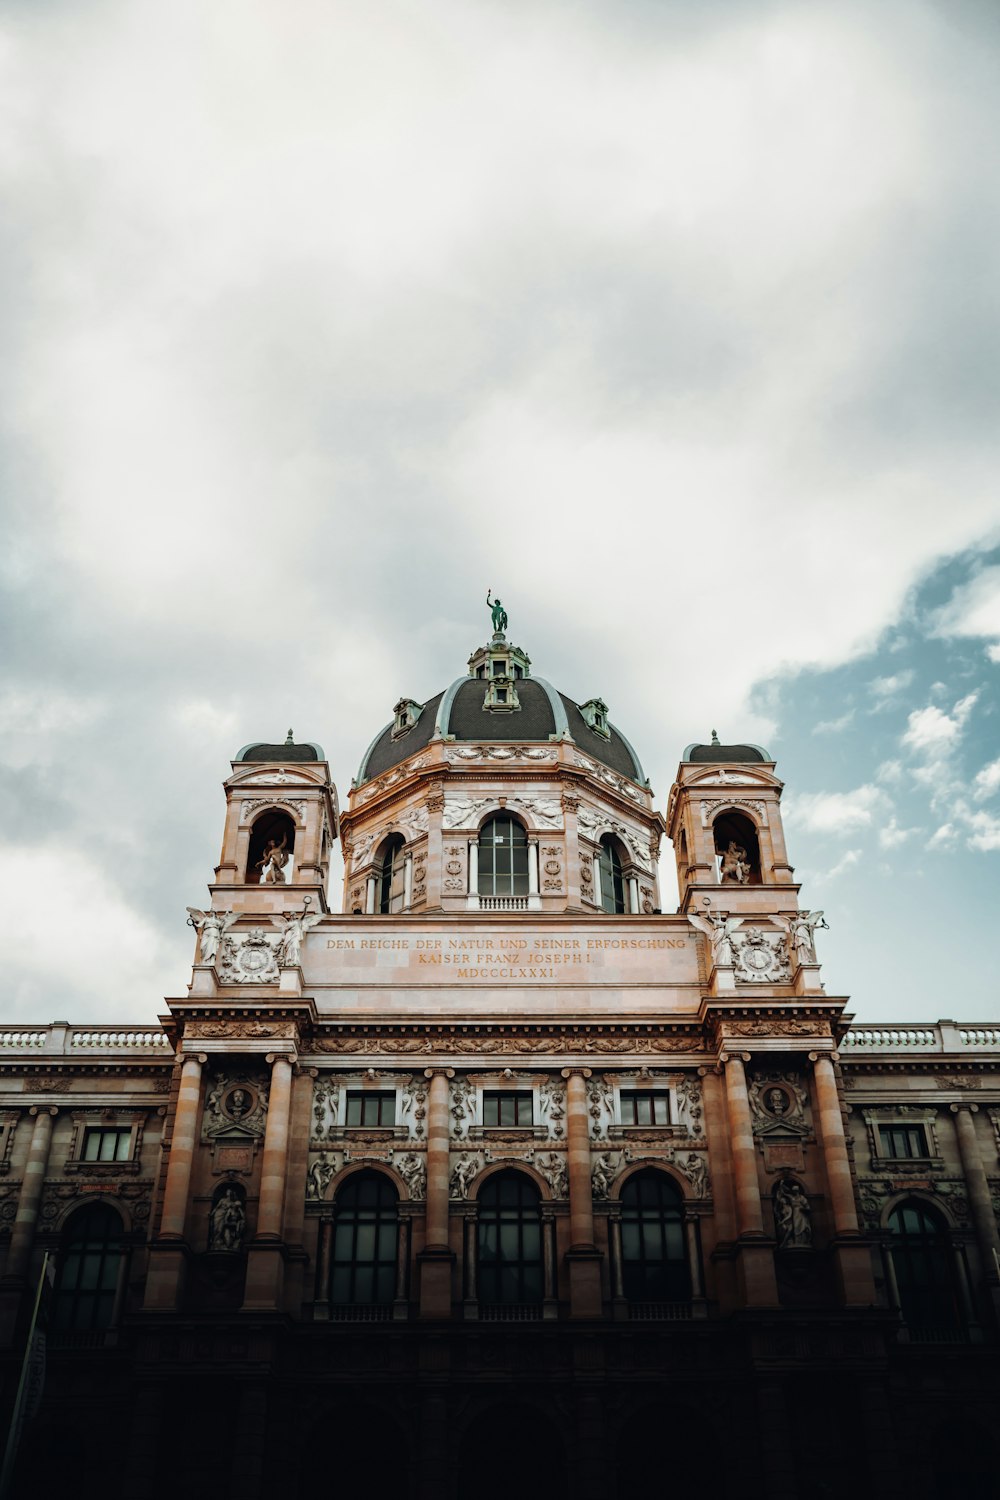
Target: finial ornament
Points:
x,y
715,738
288,738
499,613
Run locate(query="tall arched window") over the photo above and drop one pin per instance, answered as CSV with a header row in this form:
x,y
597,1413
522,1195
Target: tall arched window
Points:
x,y
503,858
923,1260
654,1259
510,1240
365,1230
612,879
391,878
270,857
89,1262
737,849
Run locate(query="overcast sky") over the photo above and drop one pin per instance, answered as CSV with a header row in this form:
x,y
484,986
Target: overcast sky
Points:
x,y
675,324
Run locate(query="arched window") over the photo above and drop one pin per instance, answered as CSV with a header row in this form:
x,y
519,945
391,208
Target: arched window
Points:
x,y
503,858
89,1262
365,1230
654,1259
612,879
923,1260
737,849
390,875
272,845
510,1240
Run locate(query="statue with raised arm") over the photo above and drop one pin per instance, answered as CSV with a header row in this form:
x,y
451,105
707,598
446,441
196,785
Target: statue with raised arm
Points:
x,y
213,926
719,927
735,865
801,928
296,925
499,614
272,866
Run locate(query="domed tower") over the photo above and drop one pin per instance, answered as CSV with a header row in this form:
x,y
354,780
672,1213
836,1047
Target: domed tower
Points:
x,y
500,794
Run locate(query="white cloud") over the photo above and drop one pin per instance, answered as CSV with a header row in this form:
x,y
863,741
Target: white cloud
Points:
x,y
890,771
835,726
945,837
37,724
993,652
932,733
985,831
845,863
892,835
987,781
885,690
839,813
973,609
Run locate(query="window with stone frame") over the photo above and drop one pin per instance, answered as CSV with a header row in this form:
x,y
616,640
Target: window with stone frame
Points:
x,y
902,1141
645,1106
371,1107
507,1107
87,1278
106,1143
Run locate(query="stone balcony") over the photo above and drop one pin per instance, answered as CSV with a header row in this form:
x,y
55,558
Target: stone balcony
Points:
x,y
59,1039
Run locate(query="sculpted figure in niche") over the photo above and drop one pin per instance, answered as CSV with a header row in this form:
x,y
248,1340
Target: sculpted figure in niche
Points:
x,y
213,925
498,612
272,866
776,1101
227,1222
792,1215
320,1174
238,1103
735,865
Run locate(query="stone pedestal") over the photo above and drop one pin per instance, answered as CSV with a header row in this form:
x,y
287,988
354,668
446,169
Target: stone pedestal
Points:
x,y
166,1277
584,1263
806,980
265,1276
435,1263
204,981
290,981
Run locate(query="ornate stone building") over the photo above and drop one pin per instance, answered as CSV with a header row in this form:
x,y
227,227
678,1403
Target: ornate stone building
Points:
x,y
503,1178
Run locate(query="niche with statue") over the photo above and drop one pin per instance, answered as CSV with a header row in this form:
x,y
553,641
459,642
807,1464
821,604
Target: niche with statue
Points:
x,y
737,850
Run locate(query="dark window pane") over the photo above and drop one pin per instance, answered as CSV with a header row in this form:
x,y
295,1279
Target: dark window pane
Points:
x,y
363,1261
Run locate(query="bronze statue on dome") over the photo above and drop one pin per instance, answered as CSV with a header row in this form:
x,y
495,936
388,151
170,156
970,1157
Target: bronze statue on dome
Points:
x,y
499,613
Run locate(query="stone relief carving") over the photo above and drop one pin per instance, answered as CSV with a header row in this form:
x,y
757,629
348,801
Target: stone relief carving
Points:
x,y
419,878
958,1081
694,1167
611,778
413,1170
712,804
552,867
227,1222
466,1168
556,1173
326,1106
546,812
361,848
552,1107
776,1028
252,959
601,1102
777,1103
463,1107
760,957
463,812
413,1107
396,1045
604,1170
321,1173
213,926
240,1030
595,822
687,1095
390,778
251,805
236,1104
497,752
792,1215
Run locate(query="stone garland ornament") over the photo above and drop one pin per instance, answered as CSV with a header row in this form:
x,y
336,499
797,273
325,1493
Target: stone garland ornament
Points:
x,y
326,1106
251,805
413,1107
552,1107
689,1103
601,1107
463,1107
421,1046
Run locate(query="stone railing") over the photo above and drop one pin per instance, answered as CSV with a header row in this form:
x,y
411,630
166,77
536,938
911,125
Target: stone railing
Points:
x,y
939,1036
61,1040
503,903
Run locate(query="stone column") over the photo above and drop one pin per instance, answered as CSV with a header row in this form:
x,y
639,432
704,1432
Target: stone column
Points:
x,y
597,881
400,1307
979,1197
436,1258
633,895
471,1246
694,1264
756,1259
265,1265
583,1255
473,867
370,896
182,1146
550,1305
23,1232
407,881
853,1258
167,1262
532,867
617,1262
324,1253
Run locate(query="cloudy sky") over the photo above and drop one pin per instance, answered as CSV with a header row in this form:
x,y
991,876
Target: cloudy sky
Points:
x,y
676,324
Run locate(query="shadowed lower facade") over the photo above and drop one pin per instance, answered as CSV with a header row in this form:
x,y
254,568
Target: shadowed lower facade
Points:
x,y
501,1177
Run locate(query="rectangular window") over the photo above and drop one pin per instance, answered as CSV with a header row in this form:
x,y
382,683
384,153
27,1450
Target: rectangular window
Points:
x,y
902,1140
501,695
507,1108
499,669
645,1108
370,1108
108,1144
